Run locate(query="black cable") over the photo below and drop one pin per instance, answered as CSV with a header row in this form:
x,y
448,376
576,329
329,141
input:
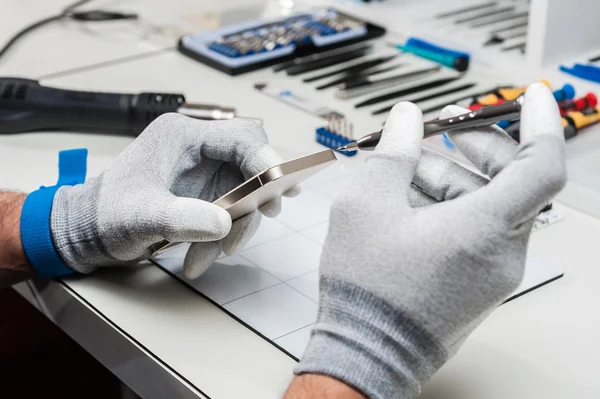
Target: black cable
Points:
x,y
99,15
26,30
75,5
67,12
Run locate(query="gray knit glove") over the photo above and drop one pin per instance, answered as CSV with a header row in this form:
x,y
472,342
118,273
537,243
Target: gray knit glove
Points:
x,y
407,276
161,187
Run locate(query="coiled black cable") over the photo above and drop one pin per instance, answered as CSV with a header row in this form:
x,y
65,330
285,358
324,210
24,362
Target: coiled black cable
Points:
x,y
68,13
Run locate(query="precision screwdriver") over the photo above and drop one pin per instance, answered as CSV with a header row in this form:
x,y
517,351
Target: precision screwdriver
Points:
x,y
427,97
353,69
361,76
466,9
486,116
404,92
501,19
360,87
27,106
485,14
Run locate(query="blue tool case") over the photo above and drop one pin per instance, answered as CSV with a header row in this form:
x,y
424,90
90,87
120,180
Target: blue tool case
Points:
x,y
257,44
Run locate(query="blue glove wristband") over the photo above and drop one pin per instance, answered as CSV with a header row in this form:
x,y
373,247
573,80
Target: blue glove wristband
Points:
x,y
35,216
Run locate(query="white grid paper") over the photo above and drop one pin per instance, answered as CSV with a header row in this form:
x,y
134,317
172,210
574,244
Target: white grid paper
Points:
x,y
272,284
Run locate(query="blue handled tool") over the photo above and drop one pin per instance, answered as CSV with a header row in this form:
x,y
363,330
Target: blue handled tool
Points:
x,y
587,72
453,59
567,92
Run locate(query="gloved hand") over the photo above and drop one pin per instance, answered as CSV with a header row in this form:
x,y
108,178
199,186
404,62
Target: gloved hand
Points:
x,y
407,274
161,187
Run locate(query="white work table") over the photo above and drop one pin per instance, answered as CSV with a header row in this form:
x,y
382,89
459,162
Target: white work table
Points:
x,y
165,341
68,45
541,345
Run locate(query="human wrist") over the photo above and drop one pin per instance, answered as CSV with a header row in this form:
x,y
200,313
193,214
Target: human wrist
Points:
x,y
12,255
364,341
315,386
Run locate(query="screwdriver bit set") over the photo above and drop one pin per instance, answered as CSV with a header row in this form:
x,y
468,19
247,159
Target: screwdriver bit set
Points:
x,y
254,45
337,133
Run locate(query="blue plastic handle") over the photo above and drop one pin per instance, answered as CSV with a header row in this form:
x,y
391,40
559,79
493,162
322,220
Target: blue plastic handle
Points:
x,y
443,59
450,58
415,42
587,72
566,93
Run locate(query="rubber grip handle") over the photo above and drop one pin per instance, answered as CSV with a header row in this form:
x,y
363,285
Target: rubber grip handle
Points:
x,y
26,106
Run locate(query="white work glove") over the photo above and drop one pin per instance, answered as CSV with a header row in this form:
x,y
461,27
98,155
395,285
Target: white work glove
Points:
x,y
162,188
407,275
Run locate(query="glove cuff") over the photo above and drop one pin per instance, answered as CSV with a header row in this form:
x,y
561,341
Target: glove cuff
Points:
x,y
36,235
74,227
363,341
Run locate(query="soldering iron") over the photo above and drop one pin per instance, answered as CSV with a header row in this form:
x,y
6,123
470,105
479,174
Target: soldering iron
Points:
x,y
27,106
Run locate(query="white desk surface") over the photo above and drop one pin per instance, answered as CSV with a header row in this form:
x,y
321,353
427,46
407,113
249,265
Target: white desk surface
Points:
x,y
540,345
68,45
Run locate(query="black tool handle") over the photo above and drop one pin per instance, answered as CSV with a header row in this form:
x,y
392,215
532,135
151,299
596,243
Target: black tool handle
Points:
x,y
405,92
27,106
485,116
327,62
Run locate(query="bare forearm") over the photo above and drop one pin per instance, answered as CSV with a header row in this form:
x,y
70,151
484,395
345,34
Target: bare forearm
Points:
x,y
13,263
313,386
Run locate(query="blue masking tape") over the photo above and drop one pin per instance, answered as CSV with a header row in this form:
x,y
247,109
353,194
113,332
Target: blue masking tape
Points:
x,y
36,235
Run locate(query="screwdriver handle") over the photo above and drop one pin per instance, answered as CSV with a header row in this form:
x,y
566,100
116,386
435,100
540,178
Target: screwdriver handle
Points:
x,y
485,116
27,106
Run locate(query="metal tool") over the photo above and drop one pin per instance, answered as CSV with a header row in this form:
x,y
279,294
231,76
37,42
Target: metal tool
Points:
x,y
485,14
353,69
318,56
357,88
407,91
466,9
485,116
27,106
428,97
522,24
358,77
518,46
501,19
595,59
327,62
499,39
